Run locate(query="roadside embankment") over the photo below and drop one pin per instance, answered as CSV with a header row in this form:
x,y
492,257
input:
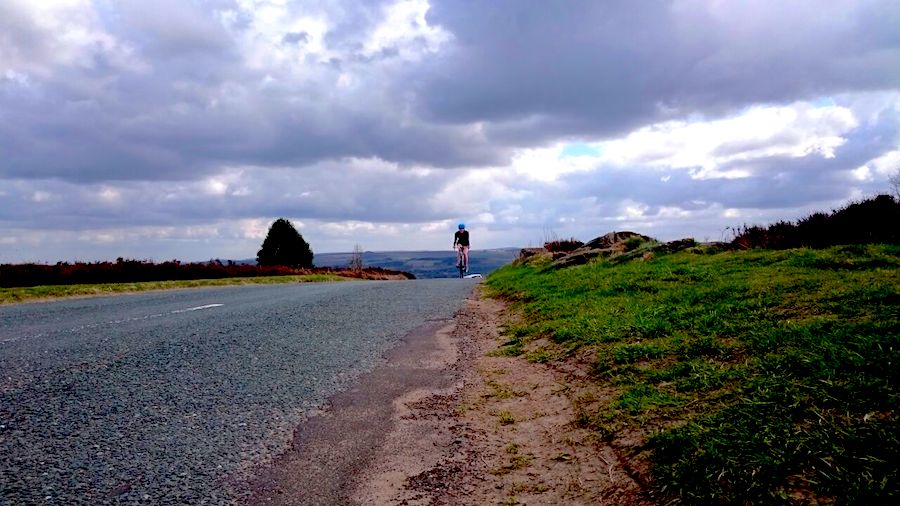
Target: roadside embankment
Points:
x,y
758,377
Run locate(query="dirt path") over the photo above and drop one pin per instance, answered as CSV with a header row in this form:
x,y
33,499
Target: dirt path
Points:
x,y
502,434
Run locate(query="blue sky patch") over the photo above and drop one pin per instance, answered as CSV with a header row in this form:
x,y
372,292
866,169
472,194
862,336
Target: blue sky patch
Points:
x,y
580,149
824,102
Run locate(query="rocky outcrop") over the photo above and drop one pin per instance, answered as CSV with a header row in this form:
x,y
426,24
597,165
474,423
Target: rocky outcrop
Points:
x,y
528,255
530,252
614,240
616,246
675,246
613,243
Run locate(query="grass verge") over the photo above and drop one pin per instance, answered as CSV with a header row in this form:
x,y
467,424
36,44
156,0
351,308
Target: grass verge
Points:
x,y
762,377
12,295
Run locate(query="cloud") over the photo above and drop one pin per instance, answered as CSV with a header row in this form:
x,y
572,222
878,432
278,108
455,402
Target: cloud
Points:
x,y
705,147
186,127
374,190
601,68
213,86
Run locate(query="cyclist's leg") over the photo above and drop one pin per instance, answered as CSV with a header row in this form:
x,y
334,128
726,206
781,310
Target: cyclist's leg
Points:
x,y
459,256
466,256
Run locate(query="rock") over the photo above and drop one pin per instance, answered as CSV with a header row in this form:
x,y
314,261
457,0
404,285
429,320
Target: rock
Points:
x,y
580,256
611,244
675,246
530,252
612,239
528,255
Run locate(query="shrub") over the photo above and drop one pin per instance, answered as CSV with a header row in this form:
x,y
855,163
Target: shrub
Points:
x,y
872,221
565,245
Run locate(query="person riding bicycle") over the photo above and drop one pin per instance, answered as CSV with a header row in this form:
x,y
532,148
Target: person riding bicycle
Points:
x,y
461,245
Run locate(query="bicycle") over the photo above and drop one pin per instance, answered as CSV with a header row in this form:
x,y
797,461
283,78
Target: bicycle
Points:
x,y
461,262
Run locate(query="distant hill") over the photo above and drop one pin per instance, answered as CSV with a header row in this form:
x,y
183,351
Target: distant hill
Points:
x,y
424,264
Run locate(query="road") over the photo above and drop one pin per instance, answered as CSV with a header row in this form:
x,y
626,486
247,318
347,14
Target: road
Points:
x,y
172,397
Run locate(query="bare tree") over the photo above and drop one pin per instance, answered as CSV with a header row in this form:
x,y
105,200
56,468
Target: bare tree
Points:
x,y
549,235
356,258
894,181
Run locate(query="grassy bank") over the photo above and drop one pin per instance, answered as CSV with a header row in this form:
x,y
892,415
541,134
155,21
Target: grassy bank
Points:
x,y
758,377
9,295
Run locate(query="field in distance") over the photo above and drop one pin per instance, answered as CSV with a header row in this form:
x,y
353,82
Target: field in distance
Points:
x,y
424,264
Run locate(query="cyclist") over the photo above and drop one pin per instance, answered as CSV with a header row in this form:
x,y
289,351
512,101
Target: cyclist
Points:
x,y
461,245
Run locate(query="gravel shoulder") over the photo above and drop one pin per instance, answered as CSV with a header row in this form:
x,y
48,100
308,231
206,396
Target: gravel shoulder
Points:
x,y
499,432
331,450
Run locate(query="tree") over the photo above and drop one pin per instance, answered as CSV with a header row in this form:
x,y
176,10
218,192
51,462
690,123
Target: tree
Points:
x,y
284,246
894,181
356,258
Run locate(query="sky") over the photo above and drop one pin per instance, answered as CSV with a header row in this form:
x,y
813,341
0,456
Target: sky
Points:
x,y
181,129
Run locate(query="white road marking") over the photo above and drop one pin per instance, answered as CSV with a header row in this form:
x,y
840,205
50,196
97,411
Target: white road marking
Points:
x,y
113,322
198,308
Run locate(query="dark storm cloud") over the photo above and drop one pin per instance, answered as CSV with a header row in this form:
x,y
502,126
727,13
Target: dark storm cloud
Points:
x,y
536,70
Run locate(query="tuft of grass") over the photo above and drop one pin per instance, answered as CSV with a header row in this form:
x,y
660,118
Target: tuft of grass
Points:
x,y
630,353
501,391
516,460
506,418
540,356
765,377
511,348
642,398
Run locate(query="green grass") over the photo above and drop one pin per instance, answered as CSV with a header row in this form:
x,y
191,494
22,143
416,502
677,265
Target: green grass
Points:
x,y
762,376
10,295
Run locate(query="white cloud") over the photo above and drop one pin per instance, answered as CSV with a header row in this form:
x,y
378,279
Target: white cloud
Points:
x,y
349,228
280,36
405,30
886,164
704,147
41,196
436,226
109,195
862,174
549,164
255,229
70,33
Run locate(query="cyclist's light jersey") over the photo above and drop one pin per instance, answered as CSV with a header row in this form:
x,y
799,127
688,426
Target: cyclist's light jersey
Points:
x,y
461,238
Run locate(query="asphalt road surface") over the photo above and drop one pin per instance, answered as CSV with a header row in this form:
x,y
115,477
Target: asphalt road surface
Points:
x,y
171,397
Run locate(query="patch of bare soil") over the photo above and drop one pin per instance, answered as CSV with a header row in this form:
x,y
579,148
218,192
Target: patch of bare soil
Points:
x,y
503,434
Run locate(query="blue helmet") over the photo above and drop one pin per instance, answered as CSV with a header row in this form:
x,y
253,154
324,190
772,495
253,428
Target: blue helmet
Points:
x,y
462,226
